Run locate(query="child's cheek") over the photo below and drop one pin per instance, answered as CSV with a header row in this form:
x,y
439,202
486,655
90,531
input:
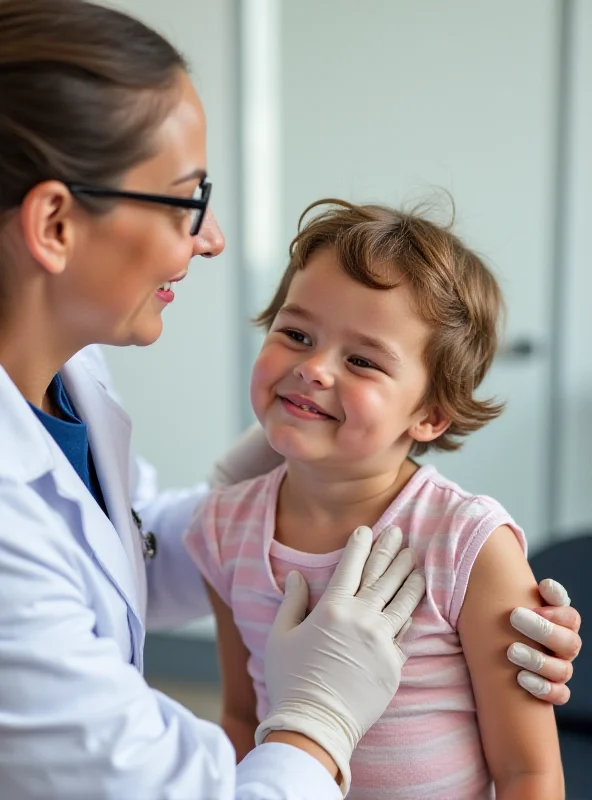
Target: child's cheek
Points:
x,y
369,420
262,383
362,409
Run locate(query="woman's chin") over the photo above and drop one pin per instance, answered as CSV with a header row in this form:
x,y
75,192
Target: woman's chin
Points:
x,y
140,334
147,334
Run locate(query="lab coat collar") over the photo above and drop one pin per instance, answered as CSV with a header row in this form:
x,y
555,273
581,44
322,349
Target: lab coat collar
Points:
x,y
109,433
27,452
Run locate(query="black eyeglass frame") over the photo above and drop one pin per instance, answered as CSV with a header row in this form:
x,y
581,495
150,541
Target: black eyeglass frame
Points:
x,y
200,204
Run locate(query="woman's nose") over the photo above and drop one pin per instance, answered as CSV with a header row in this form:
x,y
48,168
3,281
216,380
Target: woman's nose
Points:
x,y
315,370
210,240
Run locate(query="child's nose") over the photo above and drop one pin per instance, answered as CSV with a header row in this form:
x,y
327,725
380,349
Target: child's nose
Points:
x,y
316,370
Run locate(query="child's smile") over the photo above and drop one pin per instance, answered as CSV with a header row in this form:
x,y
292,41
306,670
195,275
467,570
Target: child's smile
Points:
x,y
341,373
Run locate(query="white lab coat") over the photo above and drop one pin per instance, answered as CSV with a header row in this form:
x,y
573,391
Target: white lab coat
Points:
x,y
77,720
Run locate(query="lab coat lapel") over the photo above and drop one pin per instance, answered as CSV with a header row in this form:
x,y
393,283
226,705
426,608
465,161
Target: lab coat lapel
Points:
x,y
109,431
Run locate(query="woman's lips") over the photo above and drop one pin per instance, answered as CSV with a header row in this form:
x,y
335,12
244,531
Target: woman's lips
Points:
x,y
165,292
166,295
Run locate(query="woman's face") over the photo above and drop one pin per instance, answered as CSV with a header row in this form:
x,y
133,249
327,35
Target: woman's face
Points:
x,y
109,292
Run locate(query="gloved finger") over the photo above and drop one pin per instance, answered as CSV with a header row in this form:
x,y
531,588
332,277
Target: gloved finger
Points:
x,y
554,593
400,636
293,607
385,549
405,601
348,573
385,588
554,669
555,693
566,616
563,642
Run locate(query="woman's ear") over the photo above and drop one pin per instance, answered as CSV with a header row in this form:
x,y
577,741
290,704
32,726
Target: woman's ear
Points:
x,y
46,221
431,424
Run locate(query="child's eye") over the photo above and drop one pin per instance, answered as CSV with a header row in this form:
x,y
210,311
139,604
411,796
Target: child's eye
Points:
x,y
297,336
362,363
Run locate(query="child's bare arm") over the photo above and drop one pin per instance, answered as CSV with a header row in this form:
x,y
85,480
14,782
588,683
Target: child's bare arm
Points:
x,y
239,718
518,732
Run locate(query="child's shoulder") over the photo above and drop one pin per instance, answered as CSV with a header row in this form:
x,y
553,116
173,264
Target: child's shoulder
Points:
x,y
253,490
439,514
226,507
447,527
440,494
229,519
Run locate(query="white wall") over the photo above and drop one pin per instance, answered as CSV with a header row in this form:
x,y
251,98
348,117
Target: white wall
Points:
x,y
182,392
575,458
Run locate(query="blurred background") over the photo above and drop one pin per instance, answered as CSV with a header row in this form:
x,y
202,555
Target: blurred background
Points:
x,y
383,100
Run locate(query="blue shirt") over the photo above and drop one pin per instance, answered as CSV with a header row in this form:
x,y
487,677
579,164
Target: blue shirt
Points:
x,y
71,435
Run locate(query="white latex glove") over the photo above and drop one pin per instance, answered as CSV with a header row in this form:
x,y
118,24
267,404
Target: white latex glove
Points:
x,y
331,676
249,456
556,627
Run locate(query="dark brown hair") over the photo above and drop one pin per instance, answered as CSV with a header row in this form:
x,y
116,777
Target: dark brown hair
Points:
x,y
453,290
82,88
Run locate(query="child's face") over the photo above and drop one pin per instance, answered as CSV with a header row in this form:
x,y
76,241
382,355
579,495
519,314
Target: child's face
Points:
x,y
340,375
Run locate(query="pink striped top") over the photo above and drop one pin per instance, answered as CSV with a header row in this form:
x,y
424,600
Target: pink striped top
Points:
x,y
427,743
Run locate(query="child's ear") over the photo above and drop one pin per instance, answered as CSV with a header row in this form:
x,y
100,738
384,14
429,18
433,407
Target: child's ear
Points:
x,y
431,423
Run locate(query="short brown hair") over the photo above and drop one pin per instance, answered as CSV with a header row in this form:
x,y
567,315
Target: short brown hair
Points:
x,y
453,290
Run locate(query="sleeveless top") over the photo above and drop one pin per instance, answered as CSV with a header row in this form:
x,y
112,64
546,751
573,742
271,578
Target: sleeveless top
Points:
x,y
427,744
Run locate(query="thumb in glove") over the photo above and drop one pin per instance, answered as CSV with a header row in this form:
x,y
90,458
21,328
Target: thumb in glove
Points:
x,y
293,608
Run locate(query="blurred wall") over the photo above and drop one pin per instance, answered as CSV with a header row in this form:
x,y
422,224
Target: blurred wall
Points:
x,y
574,283
182,392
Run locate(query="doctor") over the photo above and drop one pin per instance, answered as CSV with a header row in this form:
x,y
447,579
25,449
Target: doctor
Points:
x,y
103,201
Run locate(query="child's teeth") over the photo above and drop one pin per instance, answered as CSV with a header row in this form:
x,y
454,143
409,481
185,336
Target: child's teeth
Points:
x,y
166,287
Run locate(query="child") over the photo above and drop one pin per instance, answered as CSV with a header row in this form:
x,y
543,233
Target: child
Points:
x,y
381,330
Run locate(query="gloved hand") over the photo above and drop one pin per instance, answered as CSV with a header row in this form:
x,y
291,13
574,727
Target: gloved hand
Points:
x,y
249,456
331,676
556,627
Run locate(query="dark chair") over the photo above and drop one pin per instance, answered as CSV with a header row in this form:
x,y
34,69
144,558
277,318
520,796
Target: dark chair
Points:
x,y
570,563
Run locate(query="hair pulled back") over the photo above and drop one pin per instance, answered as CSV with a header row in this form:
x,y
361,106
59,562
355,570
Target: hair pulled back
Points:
x,y
82,89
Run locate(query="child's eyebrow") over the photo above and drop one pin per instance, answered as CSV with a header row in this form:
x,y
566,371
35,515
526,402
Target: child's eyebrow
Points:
x,y
297,311
376,344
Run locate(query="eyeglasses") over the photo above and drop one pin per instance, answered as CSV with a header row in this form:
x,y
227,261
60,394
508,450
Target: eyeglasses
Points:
x,y
196,204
